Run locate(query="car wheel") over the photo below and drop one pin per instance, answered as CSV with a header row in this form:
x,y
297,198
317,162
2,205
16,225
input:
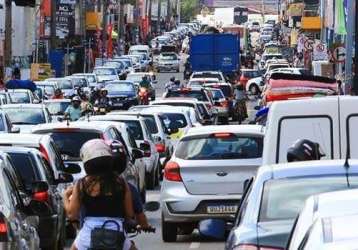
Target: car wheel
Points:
x,y
169,231
254,90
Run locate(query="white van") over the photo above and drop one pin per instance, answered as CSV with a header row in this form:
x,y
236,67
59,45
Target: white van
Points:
x,y
330,121
139,49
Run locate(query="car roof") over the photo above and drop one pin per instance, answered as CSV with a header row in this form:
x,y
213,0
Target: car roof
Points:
x,y
28,139
208,71
57,100
46,83
23,106
114,117
245,129
81,125
203,79
308,168
249,70
217,84
18,149
176,100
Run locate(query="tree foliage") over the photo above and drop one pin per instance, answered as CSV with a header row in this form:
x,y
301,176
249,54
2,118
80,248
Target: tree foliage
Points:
x,y
188,9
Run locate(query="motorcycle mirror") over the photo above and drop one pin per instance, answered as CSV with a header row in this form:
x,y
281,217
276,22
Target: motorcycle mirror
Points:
x,y
213,228
152,206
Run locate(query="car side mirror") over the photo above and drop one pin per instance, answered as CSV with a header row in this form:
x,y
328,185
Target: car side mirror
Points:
x,y
213,229
246,184
172,131
72,168
137,153
15,130
64,178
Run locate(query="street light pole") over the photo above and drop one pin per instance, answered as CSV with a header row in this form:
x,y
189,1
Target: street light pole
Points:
x,y
349,46
8,35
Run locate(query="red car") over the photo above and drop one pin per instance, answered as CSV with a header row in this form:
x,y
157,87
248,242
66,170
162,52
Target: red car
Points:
x,y
247,74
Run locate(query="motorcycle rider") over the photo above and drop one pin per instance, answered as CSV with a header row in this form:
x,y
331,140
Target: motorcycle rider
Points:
x,y
145,83
103,100
170,84
99,197
240,99
74,111
304,150
58,94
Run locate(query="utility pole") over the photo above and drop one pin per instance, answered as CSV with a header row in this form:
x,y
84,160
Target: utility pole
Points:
x,y
121,19
53,25
349,46
150,16
355,82
168,11
159,15
104,28
8,35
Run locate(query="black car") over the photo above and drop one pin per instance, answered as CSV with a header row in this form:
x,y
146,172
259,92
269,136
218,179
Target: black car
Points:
x,y
18,221
32,168
122,94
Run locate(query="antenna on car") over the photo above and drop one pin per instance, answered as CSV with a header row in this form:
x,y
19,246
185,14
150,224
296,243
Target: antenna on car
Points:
x,y
346,163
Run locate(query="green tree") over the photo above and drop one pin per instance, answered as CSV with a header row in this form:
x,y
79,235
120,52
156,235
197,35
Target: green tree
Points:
x,y
188,9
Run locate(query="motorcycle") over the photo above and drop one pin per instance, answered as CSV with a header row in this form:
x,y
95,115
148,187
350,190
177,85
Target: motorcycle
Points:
x,y
101,108
240,111
143,96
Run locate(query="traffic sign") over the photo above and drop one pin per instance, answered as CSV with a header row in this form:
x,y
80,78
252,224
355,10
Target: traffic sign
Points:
x,y
339,54
309,44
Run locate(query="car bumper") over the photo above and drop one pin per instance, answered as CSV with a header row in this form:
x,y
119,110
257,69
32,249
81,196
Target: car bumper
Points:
x,y
124,104
180,206
165,67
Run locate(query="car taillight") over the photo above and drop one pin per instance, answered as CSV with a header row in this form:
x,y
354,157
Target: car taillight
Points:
x,y
40,196
222,135
224,104
255,247
3,229
172,172
44,153
160,147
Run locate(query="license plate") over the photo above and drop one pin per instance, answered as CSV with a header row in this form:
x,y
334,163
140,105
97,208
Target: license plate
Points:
x,y
222,209
119,104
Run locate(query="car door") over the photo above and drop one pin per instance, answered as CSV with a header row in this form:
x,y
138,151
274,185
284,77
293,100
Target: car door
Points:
x,y
20,221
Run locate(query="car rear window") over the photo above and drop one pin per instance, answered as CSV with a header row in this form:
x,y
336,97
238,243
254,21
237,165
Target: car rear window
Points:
x,y
23,164
19,97
151,124
197,94
283,199
57,108
135,128
250,74
171,120
70,143
24,116
220,146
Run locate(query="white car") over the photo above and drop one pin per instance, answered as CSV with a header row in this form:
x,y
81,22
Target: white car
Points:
x,y
255,85
198,82
106,74
321,206
204,178
138,49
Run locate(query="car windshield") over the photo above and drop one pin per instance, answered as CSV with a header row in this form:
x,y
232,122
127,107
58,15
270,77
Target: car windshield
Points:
x,y
57,108
219,146
135,128
79,82
168,57
2,123
120,87
250,74
64,84
104,72
134,78
48,89
70,143
151,124
208,75
19,97
24,167
197,94
31,116
172,120
283,199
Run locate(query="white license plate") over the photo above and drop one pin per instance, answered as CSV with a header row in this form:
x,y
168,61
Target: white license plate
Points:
x,y
221,209
119,104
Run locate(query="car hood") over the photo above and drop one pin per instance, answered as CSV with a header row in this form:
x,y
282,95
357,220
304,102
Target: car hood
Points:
x,y
274,233
25,129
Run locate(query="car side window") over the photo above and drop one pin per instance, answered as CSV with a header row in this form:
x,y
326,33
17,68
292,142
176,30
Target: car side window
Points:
x,y
13,192
147,132
47,171
8,122
131,138
58,158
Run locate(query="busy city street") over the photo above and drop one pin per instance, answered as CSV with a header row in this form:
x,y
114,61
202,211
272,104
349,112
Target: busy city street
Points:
x,y
186,124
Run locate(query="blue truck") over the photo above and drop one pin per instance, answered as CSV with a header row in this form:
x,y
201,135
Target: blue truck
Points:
x,y
215,52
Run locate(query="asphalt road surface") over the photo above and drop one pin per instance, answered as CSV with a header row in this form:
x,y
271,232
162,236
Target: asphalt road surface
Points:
x,y
154,241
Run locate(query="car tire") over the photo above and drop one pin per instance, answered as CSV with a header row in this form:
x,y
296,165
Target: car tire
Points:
x,y
254,90
169,231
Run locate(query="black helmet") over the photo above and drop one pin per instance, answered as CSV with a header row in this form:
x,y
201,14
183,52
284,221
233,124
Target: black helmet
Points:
x,y
119,154
304,150
172,79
